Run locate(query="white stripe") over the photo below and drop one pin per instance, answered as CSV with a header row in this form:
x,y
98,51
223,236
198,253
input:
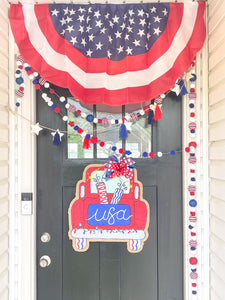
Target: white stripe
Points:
x,y
103,80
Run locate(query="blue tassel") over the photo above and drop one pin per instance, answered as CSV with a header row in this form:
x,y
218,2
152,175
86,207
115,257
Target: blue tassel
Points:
x,y
183,90
150,117
123,132
56,139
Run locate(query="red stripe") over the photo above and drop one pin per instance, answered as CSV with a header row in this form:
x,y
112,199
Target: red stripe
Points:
x,y
97,65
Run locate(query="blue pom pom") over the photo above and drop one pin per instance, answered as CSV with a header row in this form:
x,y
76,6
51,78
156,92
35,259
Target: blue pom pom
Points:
x,y
193,78
194,292
19,80
27,69
193,203
116,121
172,152
123,134
35,81
75,127
53,106
192,178
114,148
18,71
90,118
191,105
17,104
65,102
193,248
190,227
128,152
56,140
144,154
150,117
192,154
192,130
88,136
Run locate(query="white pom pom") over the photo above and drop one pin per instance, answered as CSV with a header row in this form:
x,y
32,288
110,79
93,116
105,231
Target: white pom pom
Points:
x,y
192,85
25,65
43,95
62,99
50,103
107,146
112,121
163,96
142,112
65,118
35,74
19,100
46,85
192,101
159,154
192,110
192,135
127,117
31,76
19,63
22,85
67,105
83,134
17,75
95,120
192,119
192,149
83,115
120,121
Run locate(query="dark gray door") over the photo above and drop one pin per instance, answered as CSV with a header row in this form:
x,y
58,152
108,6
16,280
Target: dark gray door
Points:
x,y
107,271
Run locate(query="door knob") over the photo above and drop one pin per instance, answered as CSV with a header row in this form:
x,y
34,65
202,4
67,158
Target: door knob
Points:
x,y
45,261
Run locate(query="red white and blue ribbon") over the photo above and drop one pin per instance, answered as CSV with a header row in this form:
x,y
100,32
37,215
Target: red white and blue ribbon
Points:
x,y
124,166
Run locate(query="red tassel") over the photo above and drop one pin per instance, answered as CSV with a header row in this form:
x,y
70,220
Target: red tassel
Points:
x,y
86,143
158,113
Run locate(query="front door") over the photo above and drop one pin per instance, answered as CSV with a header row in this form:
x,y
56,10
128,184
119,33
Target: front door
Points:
x,y
107,271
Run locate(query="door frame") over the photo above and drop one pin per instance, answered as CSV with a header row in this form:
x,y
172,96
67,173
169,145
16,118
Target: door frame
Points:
x,y
22,178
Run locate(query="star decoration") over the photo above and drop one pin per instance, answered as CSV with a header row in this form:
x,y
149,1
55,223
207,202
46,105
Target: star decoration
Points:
x,y
176,89
36,128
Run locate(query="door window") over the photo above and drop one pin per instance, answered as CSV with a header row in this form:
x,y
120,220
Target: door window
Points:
x,y
138,141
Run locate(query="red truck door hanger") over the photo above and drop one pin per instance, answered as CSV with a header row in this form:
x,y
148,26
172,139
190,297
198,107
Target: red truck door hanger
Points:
x,y
108,210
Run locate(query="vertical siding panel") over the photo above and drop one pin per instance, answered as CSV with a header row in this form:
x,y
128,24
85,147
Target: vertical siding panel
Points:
x,y
4,142
217,145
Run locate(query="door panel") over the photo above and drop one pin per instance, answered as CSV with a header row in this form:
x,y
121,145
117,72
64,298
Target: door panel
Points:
x,y
107,271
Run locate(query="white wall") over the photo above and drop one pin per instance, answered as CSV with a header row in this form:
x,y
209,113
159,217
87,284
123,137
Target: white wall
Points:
x,y
217,145
4,153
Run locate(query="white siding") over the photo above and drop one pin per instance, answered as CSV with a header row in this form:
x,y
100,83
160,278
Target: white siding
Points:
x,y
217,145
4,142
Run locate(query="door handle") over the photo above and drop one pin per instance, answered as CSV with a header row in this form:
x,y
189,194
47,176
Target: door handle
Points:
x,y
45,261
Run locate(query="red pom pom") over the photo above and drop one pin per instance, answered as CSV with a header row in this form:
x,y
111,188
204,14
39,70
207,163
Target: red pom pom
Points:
x,y
20,67
194,144
101,144
94,140
121,150
193,261
29,72
192,213
187,149
78,112
80,130
192,193
192,90
146,109
37,86
21,88
192,115
99,121
51,91
194,284
71,123
151,154
57,110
